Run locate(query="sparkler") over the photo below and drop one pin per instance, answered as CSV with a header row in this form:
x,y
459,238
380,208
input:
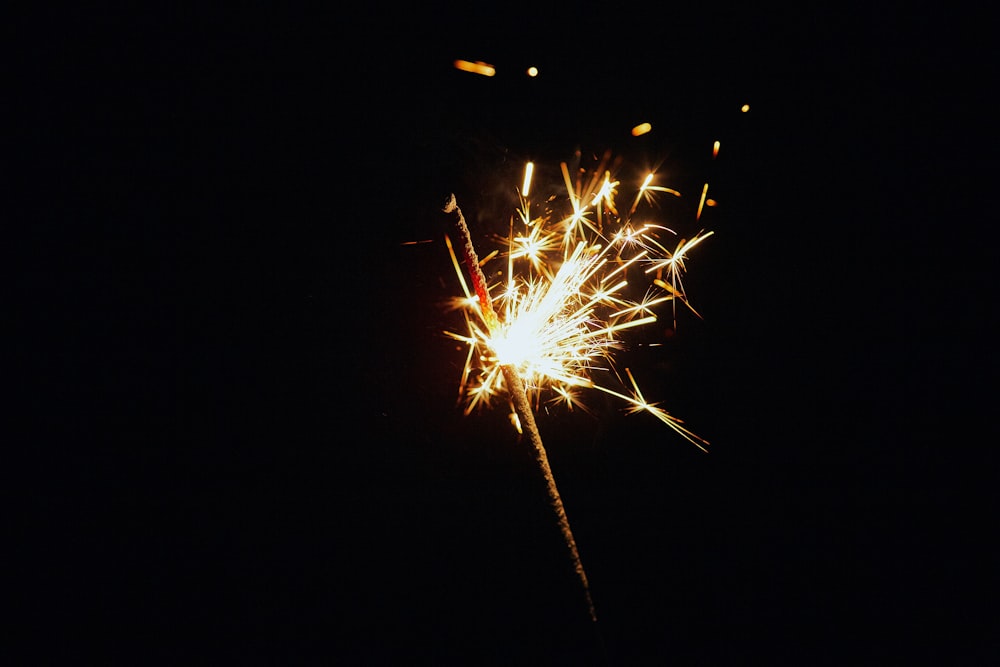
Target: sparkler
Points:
x,y
552,326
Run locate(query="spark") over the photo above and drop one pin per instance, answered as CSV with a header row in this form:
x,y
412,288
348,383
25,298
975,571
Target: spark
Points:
x,y
556,319
701,202
647,190
641,129
529,169
477,67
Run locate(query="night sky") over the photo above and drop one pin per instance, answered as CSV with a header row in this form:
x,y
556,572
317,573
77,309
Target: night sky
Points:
x,y
236,432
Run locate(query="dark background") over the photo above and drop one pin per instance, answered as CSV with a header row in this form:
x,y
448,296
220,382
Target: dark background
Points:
x,y
236,438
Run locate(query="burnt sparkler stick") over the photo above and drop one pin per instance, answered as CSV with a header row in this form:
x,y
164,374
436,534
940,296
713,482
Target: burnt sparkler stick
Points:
x,y
472,264
527,417
515,387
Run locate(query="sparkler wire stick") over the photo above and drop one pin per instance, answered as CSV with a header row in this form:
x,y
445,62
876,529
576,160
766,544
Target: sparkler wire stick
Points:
x,y
519,396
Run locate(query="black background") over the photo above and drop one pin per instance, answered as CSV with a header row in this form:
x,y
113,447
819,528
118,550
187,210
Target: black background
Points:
x,y
236,438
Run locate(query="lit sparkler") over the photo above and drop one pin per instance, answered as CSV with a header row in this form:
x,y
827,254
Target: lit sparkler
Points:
x,y
554,324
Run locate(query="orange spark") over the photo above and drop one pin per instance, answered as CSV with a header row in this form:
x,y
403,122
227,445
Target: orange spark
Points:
x,y
477,67
641,129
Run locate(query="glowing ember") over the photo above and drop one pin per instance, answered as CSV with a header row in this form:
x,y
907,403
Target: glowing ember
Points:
x,y
477,67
